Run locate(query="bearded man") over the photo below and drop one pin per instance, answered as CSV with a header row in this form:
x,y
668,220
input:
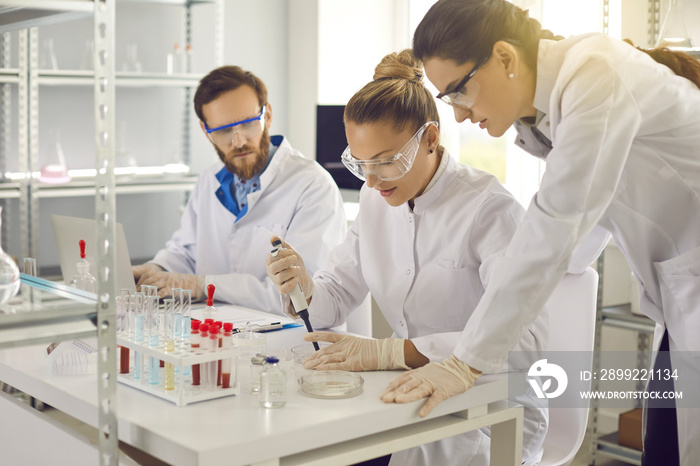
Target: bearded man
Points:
x,y
260,188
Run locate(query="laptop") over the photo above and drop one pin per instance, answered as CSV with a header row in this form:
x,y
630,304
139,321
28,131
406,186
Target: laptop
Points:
x,y
68,231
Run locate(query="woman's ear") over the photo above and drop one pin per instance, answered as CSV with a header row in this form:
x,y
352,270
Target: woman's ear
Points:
x,y
507,58
433,138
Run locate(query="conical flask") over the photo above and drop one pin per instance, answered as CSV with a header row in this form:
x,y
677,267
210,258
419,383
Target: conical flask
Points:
x,y
9,274
54,170
674,33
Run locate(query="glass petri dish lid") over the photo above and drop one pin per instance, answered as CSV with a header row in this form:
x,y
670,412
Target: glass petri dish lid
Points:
x,y
331,384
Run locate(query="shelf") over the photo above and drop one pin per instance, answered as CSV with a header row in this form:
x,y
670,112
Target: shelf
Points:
x,y
123,79
86,187
622,317
21,14
9,76
608,446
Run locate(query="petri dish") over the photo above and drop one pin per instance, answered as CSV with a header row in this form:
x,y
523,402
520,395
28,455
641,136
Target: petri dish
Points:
x,y
331,384
305,350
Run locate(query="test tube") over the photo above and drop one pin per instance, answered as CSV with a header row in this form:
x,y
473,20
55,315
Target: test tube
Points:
x,y
213,365
204,346
177,314
137,301
186,326
194,342
226,366
148,291
169,339
123,300
153,334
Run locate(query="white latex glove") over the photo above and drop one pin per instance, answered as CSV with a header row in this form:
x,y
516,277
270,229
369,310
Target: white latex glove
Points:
x,y
166,281
139,270
286,269
348,353
436,380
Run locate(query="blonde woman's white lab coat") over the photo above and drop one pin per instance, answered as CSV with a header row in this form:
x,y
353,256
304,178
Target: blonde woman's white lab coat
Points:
x,y
298,200
426,269
625,133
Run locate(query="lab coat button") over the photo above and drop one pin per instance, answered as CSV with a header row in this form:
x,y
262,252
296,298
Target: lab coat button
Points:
x,y
547,123
401,323
410,219
521,141
408,271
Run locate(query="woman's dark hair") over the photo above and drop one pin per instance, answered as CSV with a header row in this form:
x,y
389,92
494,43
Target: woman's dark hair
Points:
x,y
463,30
224,79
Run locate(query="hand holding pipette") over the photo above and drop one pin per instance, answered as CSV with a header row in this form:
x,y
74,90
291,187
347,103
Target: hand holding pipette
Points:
x,y
287,271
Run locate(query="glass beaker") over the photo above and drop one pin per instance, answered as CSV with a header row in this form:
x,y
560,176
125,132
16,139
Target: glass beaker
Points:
x,y
132,63
9,273
54,170
123,158
48,56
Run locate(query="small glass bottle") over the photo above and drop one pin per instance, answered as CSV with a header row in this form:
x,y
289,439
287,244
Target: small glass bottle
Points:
x,y
273,385
84,280
257,365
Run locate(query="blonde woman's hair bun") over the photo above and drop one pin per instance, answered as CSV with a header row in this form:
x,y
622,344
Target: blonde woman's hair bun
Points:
x,y
401,65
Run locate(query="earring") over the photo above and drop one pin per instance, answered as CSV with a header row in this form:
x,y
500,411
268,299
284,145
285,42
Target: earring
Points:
x,y
431,151
511,76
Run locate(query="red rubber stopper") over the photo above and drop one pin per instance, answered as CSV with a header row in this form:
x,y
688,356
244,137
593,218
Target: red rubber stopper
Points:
x,y
228,326
210,294
81,243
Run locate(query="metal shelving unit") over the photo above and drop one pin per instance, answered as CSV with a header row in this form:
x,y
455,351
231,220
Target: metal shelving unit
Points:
x,y
69,320
63,320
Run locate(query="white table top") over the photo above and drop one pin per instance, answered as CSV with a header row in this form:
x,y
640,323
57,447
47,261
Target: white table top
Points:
x,y
236,429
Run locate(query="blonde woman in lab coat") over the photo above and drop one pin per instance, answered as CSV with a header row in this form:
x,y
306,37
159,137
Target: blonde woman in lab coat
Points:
x,y
427,232
621,137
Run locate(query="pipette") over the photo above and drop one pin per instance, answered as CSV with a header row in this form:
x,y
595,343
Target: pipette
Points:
x,y
301,307
209,312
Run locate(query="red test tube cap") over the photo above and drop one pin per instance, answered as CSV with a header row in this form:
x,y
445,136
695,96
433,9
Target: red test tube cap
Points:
x,y
204,327
194,324
228,326
81,244
208,321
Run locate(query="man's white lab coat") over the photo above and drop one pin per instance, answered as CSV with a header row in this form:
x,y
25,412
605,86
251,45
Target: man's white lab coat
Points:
x,y
626,157
298,200
426,269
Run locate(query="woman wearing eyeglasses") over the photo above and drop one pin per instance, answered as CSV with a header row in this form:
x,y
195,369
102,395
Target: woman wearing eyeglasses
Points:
x,y
621,137
427,232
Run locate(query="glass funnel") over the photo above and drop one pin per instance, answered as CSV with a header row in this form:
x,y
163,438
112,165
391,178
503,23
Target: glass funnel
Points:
x,y
9,274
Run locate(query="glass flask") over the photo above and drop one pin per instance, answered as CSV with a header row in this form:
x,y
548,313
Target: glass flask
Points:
x,y
674,33
9,274
54,170
123,158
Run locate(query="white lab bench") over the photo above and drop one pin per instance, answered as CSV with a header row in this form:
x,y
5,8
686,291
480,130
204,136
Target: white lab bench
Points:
x,y
237,430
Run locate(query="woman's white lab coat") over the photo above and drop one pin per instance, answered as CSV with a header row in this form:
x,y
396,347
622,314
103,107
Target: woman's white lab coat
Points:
x,y
626,157
426,269
298,200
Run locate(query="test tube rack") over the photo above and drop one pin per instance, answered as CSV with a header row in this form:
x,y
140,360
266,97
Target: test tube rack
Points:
x,y
184,392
